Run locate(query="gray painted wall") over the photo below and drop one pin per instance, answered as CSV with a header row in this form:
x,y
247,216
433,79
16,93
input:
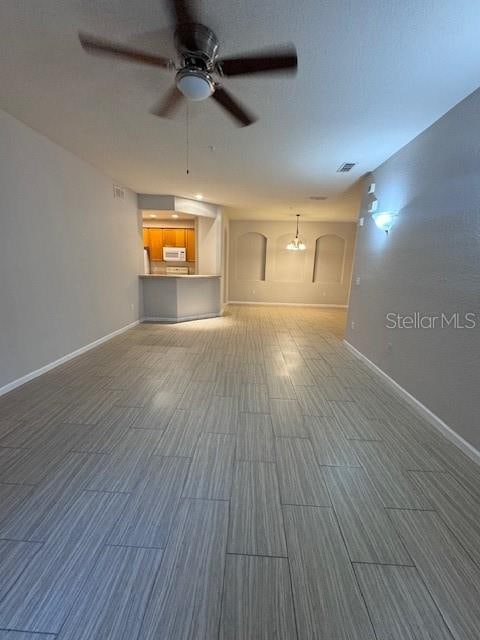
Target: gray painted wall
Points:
x,y
288,275
209,244
429,263
180,298
69,253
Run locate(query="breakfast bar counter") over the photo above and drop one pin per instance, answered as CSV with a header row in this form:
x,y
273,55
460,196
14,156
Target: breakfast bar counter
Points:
x,y
178,298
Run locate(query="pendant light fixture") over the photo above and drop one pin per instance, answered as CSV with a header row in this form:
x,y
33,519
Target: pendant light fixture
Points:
x,y
296,244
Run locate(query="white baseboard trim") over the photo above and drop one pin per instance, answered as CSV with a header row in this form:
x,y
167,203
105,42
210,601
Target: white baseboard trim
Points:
x,y
424,411
289,304
69,356
182,318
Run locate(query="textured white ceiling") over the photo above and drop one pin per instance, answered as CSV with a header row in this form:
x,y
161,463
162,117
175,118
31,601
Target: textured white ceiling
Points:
x,y
372,75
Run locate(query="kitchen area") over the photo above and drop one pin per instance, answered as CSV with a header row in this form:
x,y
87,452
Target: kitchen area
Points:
x,y
182,256
168,247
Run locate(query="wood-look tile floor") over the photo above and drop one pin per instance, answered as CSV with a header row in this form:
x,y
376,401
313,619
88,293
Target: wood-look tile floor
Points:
x,y
243,477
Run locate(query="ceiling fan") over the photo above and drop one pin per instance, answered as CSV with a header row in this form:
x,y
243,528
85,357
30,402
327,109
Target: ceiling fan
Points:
x,y
197,76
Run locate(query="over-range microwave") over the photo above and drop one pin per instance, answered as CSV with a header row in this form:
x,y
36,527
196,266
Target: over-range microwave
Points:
x,y
174,254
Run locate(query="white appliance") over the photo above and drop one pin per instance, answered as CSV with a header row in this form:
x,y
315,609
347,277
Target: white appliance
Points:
x,y
146,262
172,271
174,254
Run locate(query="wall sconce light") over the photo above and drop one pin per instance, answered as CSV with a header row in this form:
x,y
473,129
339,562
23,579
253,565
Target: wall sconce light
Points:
x,y
384,220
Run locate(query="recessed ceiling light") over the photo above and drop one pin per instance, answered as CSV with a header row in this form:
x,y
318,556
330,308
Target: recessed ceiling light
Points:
x,y
152,215
174,215
199,196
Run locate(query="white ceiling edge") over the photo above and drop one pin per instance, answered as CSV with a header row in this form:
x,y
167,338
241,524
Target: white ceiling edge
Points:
x,y
291,224
343,208
302,221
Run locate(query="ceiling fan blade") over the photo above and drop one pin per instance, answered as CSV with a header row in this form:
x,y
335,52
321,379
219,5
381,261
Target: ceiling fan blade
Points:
x,y
168,104
233,107
185,24
182,11
283,59
99,46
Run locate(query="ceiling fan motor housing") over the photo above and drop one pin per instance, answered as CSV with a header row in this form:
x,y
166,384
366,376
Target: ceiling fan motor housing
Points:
x,y
198,46
197,43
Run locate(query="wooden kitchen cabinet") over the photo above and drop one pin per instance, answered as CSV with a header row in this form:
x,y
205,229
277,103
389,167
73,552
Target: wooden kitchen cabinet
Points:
x,y
180,238
155,239
174,237
146,237
156,243
190,244
169,237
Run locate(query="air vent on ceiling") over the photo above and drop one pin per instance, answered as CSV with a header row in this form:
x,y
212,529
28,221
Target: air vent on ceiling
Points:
x,y
346,167
118,192
317,197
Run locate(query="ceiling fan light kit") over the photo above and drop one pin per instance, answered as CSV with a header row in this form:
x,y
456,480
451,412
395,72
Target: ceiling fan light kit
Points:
x,y
197,48
194,85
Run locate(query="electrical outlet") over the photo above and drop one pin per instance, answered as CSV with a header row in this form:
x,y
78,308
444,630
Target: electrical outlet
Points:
x,y
361,222
353,325
357,280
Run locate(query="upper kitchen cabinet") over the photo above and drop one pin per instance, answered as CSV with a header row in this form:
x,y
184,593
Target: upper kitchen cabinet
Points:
x,y
156,243
156,238
190,244
169,236
174,237
180,238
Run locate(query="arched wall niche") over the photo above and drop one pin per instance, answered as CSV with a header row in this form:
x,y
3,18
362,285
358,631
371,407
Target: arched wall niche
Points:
x,y
251,256
329,259
289,265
